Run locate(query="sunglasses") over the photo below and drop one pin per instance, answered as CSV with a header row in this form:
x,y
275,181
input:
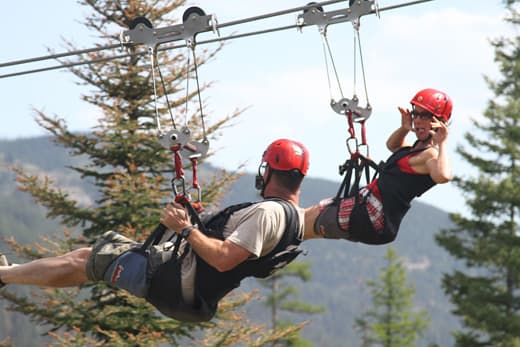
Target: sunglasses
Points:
x,y
425,115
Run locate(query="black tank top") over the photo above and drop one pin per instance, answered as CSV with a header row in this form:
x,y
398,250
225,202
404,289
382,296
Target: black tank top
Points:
x,y
399,188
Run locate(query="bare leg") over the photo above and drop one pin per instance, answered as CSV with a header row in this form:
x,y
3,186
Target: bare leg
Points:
x,y
311,213
63,271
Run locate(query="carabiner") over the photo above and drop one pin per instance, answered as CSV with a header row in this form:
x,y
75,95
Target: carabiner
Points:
x,y
349,141
178,186
194,194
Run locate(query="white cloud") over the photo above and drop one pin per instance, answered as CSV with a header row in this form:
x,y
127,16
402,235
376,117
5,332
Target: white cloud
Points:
x,y
85,117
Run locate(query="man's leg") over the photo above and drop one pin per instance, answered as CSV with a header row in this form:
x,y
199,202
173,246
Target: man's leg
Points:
x,y
63,271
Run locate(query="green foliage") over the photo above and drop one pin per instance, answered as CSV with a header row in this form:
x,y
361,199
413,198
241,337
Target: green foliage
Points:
x,y
278,299
487,294
391,321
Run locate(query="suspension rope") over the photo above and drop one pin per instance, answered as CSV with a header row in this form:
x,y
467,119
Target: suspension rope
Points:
x,y
187,88
328,49
354,52
198,92
165,92
176,46
323,44
362,65
156,103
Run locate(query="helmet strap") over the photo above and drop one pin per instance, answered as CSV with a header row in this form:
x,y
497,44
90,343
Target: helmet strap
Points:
x,y
260,184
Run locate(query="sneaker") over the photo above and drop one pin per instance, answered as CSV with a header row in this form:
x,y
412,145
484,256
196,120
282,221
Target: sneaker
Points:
x,y
3,262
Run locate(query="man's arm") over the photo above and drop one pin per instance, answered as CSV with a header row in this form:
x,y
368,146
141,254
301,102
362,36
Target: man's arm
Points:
x,y
222,255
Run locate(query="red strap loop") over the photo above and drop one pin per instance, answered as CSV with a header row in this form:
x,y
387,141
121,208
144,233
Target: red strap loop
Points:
x,y
363,132
350,119
195,183
177,162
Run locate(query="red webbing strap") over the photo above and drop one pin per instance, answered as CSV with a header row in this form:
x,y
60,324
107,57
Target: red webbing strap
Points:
x,y
350,119
197,204
177,162
180,196
363,133
195,180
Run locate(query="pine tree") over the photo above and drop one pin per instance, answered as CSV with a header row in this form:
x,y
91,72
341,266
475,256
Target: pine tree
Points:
x,y
486,294
278,300
391,321
130,173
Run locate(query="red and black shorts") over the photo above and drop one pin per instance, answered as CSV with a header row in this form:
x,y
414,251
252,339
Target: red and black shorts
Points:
x,y
350,218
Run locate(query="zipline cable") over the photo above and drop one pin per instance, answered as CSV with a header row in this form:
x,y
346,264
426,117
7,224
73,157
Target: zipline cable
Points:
x,y
223,25
280,13
58,55
220,39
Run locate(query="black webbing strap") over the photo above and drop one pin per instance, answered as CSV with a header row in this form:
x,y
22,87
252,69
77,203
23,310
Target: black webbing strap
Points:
x,y
354,168
156,236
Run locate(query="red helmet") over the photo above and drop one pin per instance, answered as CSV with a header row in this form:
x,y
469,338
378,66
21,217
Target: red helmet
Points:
x,y
435,102
286,155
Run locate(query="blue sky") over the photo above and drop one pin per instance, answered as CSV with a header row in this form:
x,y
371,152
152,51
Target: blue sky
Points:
x,y
281,76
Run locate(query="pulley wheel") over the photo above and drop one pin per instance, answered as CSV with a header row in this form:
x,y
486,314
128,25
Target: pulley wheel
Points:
x,y
192,11
317,7
140,20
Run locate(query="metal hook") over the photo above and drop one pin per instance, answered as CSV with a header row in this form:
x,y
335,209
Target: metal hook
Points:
x,y
349,141
194,194
178,186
